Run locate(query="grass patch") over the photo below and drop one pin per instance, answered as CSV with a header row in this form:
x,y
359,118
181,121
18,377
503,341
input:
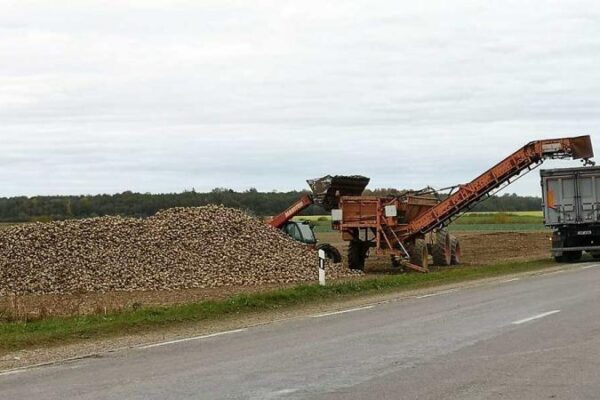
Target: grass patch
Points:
x,y
54,331
320,223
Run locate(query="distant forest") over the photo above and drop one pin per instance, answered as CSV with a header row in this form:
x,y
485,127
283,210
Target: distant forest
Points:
x,y
47,208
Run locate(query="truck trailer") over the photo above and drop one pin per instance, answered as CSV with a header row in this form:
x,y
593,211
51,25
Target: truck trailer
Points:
x,y
571,198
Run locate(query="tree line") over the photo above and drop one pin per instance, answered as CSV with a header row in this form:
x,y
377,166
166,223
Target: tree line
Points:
x,y
48,208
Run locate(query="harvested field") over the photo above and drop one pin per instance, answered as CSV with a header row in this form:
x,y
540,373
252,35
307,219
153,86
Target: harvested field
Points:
x,y
494,247
481,248
180,248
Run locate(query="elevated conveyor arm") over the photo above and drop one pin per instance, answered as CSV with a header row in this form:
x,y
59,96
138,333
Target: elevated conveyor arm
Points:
x,y
468,195
280,220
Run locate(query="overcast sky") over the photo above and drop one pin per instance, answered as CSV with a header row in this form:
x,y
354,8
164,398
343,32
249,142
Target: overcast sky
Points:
x,y
162,96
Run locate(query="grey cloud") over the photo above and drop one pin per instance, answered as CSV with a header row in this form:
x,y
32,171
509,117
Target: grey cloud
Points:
x,y
151,96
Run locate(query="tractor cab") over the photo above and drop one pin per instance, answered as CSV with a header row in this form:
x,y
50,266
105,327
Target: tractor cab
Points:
x,y
301,231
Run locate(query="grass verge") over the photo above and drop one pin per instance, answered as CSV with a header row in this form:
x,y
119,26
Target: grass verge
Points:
x,y
54,331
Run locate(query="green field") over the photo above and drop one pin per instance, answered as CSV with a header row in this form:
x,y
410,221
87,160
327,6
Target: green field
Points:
x,y
500,218
320,223
314,218
473,221
518,213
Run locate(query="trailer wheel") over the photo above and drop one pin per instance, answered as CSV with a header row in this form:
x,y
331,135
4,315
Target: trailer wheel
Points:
x,y
441,250
455,250
418,253
357,254
331,252
572,256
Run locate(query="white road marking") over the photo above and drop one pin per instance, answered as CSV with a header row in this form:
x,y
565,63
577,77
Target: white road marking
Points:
x,y
560,271
437,294
150,346
278,394
341,312
510,280
12,372
522,321
591,266
286,391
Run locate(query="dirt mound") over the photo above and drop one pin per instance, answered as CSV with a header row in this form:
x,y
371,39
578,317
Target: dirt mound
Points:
x,y
179,248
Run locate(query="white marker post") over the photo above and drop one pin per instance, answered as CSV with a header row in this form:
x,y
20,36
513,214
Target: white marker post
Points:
x,y
322,257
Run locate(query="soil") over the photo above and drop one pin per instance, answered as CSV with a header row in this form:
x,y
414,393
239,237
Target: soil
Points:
x,y
496,247
478,248
35,306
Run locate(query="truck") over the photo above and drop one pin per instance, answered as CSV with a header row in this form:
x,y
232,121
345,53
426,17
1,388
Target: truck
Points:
x,y
571,204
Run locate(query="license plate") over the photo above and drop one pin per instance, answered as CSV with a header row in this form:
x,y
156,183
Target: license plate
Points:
x,y
583,233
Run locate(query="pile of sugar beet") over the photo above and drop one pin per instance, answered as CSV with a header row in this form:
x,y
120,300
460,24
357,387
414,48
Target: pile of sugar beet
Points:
x,y
179,248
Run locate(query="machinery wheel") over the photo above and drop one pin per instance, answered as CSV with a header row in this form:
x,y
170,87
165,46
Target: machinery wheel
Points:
x,y
456,253
357,254
418,253
331,252
441,250
560,259
396,262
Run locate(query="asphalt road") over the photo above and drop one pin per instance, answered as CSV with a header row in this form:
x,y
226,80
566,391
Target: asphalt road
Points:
x,y
533,338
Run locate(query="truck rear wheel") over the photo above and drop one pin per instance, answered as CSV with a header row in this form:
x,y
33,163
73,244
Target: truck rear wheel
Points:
x,y
572,256
418,253
357,254
331,252
441,250
456,253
